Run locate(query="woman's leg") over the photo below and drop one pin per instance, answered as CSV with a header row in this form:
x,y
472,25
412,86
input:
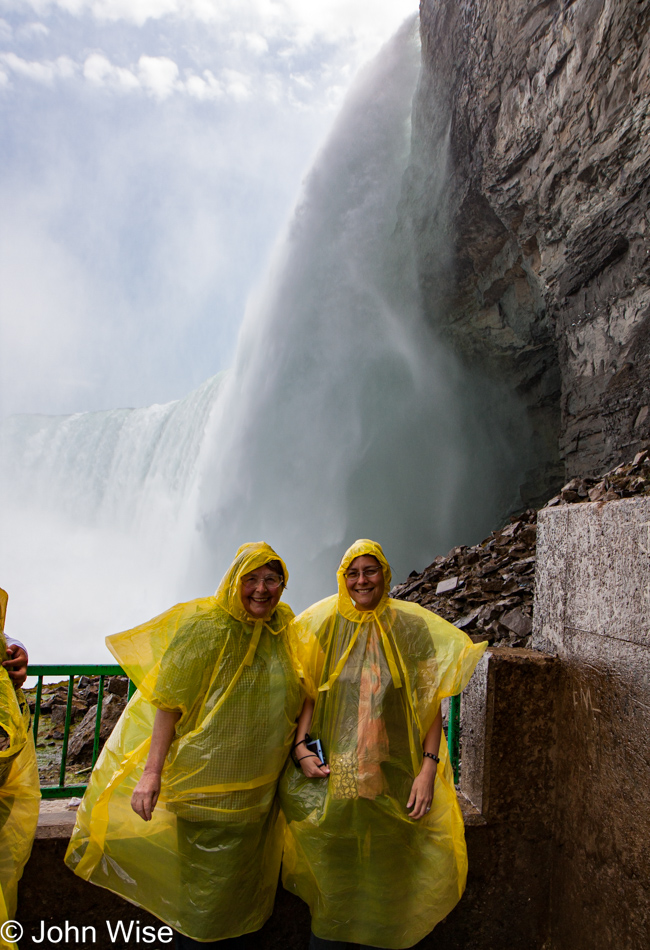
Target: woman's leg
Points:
x,y
318,943
230,943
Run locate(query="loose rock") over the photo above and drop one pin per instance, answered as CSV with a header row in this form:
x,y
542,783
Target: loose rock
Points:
x,y
488,589
81,744
478,588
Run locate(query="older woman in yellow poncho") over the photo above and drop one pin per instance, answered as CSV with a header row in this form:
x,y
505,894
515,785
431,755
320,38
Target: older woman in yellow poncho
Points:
x,y
375,840
19,790
197,754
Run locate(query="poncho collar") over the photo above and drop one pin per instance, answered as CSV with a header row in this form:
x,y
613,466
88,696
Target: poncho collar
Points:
x,y
346,605
250,556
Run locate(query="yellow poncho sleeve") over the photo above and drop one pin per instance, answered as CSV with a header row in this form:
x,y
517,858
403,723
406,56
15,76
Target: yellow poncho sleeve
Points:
x,y
306,645
438,659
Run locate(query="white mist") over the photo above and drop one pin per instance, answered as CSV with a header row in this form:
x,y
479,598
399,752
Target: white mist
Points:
x,y
343,417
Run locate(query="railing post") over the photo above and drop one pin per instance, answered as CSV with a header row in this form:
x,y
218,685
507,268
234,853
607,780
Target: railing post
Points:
x,y
98,719
453,736
66,732
37,707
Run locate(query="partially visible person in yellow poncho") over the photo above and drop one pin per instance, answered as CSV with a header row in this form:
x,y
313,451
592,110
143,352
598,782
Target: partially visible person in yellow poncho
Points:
x,y
198,753
375,841
19,785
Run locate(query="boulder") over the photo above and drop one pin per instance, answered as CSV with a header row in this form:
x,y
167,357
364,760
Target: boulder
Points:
x,y
80,748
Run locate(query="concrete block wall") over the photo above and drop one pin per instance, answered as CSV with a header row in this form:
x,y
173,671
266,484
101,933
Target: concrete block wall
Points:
x,y
592,609
507,794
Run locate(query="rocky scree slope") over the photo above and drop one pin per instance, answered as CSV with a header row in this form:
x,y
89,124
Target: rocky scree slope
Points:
x,y
488,589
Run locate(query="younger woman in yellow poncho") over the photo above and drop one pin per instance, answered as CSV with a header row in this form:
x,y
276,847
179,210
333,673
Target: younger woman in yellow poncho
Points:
x,y
375,841
217,688
19,789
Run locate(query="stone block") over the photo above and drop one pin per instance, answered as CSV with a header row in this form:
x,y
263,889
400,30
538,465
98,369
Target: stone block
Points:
x,y
449,584
592,608
509,735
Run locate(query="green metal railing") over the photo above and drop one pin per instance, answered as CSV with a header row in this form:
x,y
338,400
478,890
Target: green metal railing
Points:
x,y
453,735
103,670
84,669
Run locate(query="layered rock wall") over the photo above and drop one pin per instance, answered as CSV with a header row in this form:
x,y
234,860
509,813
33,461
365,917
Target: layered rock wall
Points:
x,y
544,109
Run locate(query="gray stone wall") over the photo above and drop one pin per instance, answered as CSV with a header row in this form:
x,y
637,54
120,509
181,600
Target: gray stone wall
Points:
x,y
508,775
546,109
592,609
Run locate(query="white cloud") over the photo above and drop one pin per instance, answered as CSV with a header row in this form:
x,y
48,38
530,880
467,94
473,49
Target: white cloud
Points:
x,y
158,75
271,87
252,42
291,52
256,43
204,87
303,81
30,31
6,32
306,19
39,72
99,70
43,72
237,84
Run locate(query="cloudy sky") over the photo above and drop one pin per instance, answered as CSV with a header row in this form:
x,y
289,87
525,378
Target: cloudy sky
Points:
x,y
151,151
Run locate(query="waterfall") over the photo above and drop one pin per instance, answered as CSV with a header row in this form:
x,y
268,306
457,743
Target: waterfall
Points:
x,y
109,469
98,514
342,417
345,416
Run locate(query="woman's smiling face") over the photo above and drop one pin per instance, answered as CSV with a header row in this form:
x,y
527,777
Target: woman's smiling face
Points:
x,y
364,579
261,591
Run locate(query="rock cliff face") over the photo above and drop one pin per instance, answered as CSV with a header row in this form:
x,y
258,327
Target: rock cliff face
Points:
x,y
544,111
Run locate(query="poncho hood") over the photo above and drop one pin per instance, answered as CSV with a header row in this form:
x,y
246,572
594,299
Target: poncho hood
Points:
x,y
249,557
346,605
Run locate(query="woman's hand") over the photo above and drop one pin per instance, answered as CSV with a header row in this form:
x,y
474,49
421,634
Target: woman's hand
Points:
x,y
145,795
310,764
312,767
422,790
146,792
16,665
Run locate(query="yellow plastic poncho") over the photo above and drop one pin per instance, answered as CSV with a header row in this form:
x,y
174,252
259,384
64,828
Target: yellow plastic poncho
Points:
x,y
208,862
19,787
370,874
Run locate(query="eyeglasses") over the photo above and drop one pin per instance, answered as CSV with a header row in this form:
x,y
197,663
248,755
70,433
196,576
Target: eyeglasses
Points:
x,y
369,572
270,581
